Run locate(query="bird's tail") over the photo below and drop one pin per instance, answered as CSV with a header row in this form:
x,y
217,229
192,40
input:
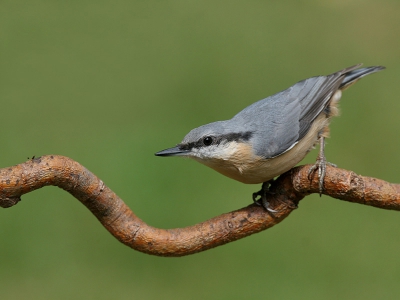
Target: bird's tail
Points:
x,y
353,75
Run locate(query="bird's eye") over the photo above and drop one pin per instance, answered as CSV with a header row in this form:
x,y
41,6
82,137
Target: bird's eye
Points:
x,y
207,141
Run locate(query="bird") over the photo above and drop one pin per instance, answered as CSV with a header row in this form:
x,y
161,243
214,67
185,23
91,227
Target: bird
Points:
x,y
272,135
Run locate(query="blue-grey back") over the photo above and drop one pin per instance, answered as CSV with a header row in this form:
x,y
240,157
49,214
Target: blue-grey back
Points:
x,y
280,121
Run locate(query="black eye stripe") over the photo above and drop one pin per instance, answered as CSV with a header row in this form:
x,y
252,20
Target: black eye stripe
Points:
x,y
225,138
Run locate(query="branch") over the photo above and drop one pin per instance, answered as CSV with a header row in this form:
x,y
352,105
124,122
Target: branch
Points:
x,y
123,224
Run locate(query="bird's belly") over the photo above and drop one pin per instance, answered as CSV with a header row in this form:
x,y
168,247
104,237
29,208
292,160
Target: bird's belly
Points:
x,y
261,170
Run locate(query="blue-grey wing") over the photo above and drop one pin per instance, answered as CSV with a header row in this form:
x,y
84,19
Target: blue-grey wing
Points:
x,y
281,120
274,123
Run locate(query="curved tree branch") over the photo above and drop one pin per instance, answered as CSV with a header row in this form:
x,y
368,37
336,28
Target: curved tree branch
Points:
x,y
120,221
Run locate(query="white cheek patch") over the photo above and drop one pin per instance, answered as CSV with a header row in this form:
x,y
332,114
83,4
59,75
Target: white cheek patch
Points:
x,y
228,150
221,151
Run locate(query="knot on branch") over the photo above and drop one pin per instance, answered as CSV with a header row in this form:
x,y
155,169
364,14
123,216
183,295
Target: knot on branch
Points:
x,y
8,202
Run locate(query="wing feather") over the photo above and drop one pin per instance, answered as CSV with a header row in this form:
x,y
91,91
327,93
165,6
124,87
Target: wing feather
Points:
x,y
294,110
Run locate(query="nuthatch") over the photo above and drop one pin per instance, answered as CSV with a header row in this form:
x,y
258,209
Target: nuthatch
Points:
x,y
271,136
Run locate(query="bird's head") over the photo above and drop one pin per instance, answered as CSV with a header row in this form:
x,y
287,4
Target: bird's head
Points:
x,y
211,143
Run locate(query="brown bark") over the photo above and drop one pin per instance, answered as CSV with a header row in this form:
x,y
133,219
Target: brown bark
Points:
x,y
120,221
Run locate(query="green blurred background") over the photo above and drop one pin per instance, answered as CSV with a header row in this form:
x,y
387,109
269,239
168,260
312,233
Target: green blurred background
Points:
x,y
109,83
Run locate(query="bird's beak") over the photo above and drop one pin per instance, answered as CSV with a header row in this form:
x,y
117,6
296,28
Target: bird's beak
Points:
x,y
175,151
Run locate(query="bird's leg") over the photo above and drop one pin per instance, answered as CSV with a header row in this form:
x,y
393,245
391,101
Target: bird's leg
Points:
x,y
263,196
320,164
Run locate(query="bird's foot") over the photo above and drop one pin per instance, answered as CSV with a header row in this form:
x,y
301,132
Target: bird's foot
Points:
x,y
320,165
262,201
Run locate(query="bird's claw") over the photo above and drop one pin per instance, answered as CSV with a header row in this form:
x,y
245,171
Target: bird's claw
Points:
x,y
320,165
263,196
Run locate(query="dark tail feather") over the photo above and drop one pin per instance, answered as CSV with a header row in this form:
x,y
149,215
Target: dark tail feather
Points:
x,y
354,75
